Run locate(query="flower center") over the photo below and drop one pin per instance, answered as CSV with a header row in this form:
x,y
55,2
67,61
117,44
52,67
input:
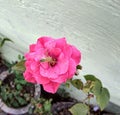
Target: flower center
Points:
x,y
52,61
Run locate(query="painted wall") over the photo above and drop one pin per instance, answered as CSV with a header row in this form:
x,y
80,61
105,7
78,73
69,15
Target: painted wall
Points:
x,y
91,25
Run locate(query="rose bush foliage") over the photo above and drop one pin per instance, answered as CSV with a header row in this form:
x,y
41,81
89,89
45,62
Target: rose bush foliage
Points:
x,y
51,62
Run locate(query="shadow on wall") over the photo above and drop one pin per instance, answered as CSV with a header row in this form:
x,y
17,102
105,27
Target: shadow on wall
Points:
x,y
113,108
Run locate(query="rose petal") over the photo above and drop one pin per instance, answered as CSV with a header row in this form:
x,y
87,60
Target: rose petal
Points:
x,y
44,65
67,51
62,66
61,43
32,48
72,68
51,87
28,77
42,40
55,52
61,78
50,73
41,80
76,55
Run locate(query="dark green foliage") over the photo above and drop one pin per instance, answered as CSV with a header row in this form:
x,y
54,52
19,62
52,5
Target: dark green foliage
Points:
x,y
40,106
77,83
15,91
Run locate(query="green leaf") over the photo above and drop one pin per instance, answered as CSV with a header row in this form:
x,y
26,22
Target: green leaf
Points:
x,y
23,82
92,85
4,40
21,100
19,66
47,105
15,93
4,96
96,90
103,98
19,87
15,104
77,83
90,77
10,96
79,109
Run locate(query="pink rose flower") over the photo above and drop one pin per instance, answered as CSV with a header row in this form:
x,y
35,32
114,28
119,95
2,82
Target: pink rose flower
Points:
x,y
51,62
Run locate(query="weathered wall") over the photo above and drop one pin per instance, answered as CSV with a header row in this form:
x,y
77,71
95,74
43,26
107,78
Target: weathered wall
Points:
x,y
91,25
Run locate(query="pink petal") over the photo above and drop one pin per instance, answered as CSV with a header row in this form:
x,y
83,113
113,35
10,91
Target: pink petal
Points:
x,y
49,73
50,44
61,43
32,48
67,51
55,52
30,55
42,40
27,65
34,66
46,42
76,55
28,77
41,80
39,55
35,55
61,78
72,68
51,87
62,64
44,65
